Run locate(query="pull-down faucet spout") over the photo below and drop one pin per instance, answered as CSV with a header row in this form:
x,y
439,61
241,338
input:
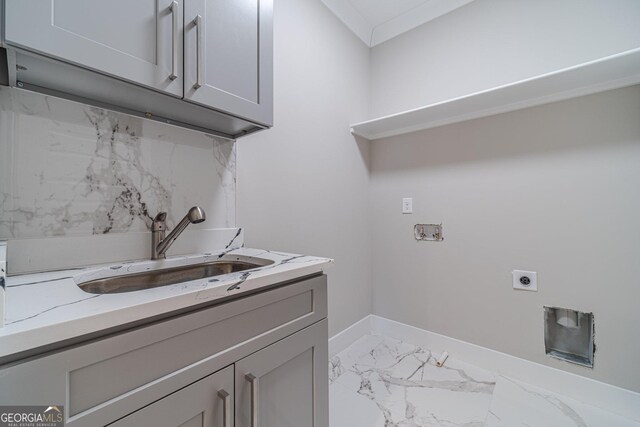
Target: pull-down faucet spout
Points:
x,y
159,243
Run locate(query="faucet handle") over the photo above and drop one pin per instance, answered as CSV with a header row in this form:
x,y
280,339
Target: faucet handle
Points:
x,y
159,222
162,216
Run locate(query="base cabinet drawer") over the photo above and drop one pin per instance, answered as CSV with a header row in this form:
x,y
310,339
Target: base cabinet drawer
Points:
x,y
205,403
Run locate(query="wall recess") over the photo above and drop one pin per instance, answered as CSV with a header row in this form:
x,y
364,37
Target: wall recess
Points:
x,y
568,335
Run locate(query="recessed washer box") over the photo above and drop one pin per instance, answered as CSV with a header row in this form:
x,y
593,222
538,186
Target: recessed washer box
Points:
x,y
568,335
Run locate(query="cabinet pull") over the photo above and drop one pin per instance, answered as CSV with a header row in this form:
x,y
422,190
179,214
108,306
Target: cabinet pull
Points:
x,y
254,399
174,40
226,410
199,52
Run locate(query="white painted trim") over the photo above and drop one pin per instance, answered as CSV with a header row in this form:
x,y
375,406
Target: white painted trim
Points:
x,y
348,336
373,35
596,393
351,18
413,18
606,396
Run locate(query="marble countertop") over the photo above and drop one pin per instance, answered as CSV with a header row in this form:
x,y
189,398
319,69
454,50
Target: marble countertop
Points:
x,y
46,308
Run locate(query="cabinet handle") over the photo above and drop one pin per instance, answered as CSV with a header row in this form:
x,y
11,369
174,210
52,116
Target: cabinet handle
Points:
x,y
254,399
199,52
226,410
174,40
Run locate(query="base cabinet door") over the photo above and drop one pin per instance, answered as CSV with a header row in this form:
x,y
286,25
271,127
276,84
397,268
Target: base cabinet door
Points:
x,y
208,402
285,384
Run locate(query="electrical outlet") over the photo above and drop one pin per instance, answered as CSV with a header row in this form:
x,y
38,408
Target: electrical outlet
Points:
x,y
407,205
525,280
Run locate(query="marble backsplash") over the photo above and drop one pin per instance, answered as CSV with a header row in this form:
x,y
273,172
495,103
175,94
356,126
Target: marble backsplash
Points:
x,y
68,169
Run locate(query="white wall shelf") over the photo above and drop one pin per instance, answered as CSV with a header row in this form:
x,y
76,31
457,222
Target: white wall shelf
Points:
x,y
607,73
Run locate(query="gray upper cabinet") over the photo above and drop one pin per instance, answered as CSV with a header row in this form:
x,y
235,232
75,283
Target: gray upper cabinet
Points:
x,y
139,41
202,64
228,56
205,403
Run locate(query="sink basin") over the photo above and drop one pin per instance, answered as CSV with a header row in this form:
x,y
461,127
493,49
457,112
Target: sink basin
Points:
x,y
168,276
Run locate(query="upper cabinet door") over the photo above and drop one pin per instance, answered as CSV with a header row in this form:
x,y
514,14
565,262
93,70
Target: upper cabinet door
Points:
x,y
229,56
140,41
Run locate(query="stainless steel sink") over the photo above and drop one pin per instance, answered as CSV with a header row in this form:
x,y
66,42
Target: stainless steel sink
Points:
x,y
169,276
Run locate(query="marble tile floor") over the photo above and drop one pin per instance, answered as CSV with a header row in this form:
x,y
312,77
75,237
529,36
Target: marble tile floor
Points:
x,y
380,381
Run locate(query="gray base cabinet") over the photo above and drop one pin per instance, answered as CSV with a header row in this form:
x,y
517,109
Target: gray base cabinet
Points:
x,y
256,361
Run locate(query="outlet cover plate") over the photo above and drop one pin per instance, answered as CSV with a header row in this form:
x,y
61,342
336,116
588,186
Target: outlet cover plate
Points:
x,y
525,280
407,205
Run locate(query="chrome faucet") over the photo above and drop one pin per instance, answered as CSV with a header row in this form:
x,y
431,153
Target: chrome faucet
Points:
x,y
159,243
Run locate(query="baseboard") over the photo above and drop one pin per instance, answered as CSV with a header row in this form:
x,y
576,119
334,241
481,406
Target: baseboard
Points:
x,y
606,396
348,336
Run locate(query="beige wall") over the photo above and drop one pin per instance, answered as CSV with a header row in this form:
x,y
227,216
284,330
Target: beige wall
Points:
x,y
553,189
303,186
492,42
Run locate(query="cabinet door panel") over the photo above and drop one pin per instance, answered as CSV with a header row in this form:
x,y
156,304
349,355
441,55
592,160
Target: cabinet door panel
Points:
x,y
234,57
232,34
135,41
199,404
291,382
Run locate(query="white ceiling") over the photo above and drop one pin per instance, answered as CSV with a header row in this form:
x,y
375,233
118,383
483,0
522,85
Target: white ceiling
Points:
x,y
376,21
